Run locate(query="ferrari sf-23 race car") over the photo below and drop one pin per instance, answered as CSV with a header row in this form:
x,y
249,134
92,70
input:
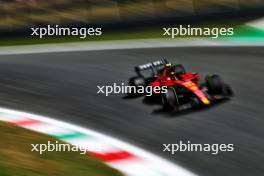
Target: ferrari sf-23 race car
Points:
x,y
184,89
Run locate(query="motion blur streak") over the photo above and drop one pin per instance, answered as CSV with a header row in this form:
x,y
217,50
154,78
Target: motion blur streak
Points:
x,y
115,153
20,13
63,85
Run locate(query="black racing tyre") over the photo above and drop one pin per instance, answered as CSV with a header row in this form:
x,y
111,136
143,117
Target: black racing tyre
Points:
x,y
214,84
137,81
179,69
228,91
170,99
195,103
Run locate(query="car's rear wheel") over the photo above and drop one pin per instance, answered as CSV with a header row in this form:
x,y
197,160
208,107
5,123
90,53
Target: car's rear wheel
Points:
x,y
170,99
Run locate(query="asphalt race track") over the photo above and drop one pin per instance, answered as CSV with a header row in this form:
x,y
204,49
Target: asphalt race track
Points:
x,y
63,85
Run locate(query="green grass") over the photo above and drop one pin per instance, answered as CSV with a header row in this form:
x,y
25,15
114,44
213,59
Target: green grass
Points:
x,y
140,33
117,35
17,159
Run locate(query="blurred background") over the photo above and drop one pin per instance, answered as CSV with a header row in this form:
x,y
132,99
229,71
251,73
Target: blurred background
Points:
x,y
62,84
17,15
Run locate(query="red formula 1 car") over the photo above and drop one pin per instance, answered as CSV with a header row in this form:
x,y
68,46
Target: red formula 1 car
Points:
x,y
183,89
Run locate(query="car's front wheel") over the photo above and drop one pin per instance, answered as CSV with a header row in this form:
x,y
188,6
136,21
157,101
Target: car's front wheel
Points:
x,y
170,99
195,103
214,84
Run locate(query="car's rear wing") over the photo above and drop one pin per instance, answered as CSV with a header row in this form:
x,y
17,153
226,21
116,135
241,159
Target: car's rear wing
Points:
x,y
153,66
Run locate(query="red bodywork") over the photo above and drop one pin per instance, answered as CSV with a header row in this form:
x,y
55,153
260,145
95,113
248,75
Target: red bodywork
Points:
x,y
188,80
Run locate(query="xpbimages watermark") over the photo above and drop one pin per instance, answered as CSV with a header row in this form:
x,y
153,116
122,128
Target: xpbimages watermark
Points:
x,y
126,89
192,147
181,30
58,147
56,30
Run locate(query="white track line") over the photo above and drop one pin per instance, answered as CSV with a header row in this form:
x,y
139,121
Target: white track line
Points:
x,y
122,44
259,23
